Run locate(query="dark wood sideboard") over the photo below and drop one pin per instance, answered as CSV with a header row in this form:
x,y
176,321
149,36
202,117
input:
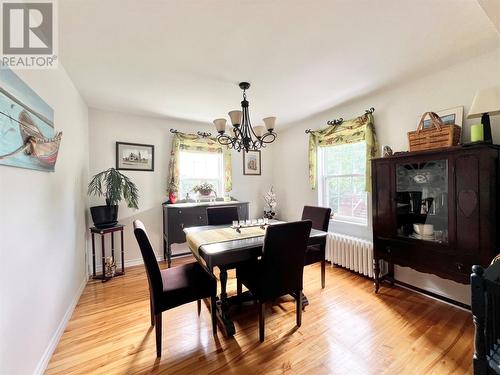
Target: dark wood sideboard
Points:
x,y
454,191
178,216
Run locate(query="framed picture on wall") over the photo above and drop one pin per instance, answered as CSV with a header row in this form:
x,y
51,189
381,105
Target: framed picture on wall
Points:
x,y
251,163
448,116
135,157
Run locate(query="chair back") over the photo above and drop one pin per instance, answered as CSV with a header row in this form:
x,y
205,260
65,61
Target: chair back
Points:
x,y
222,215
150,262
283,258
320,216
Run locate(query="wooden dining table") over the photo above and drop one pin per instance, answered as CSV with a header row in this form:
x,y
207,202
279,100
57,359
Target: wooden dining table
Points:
x,y
225,255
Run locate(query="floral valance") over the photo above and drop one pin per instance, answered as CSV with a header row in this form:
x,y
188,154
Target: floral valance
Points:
x,y
359,129
193,142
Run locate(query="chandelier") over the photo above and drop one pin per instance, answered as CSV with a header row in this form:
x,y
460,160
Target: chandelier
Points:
x,y
244,136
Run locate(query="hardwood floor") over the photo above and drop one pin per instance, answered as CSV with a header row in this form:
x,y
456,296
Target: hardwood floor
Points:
x,y
345,329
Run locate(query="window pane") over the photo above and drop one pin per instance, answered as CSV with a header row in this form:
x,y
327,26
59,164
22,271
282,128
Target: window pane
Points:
x,y
344,181
198,167
344,159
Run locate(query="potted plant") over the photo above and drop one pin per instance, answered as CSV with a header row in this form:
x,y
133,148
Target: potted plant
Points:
x,y
172,192
115,187
204,189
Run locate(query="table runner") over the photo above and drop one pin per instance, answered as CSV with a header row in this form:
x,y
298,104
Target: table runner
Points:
x,y
197,239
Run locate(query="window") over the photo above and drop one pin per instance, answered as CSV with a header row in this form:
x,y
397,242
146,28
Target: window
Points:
x,y
341,172
197,167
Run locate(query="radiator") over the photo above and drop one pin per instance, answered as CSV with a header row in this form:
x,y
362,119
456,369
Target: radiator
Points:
x,y
352,253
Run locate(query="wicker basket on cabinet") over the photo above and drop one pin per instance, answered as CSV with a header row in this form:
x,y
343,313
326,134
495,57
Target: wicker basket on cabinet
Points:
x,y
438,135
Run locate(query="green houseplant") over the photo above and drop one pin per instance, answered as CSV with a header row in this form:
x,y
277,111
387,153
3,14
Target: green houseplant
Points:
x,y
115,187
204,189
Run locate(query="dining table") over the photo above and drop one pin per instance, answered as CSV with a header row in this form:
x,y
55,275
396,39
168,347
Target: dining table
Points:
x,y
225,255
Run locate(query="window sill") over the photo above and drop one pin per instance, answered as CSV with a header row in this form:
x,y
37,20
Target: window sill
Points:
x,y
363,225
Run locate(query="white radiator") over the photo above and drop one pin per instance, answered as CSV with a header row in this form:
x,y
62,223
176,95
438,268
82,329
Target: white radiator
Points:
x,y
352,253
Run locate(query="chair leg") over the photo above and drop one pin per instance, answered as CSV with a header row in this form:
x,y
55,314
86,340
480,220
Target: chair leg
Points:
x,y
158,334
239,287
239,290
261,307
199,307
323,264
213,311
152,312
298,308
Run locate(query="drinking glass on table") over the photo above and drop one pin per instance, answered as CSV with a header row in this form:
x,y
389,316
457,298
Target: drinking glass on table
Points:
x,y
248,222
266,221
235,223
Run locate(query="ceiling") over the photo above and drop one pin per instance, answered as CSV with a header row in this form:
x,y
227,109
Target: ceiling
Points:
x,y
184,58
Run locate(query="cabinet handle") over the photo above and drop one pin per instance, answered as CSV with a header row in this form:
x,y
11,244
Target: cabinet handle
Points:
x,y
182,225
180,211
199,217
460,266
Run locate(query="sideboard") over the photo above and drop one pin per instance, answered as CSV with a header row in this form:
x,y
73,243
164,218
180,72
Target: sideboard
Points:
x,y
178,216
437,211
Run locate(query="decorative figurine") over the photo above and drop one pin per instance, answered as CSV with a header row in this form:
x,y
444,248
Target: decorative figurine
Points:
x,y
387,151
109,267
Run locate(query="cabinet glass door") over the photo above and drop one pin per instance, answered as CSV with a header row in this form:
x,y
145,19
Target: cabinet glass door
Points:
x,y
422,200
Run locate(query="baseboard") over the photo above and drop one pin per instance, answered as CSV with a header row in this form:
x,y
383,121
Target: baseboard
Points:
x,y
434,296
138,261
47,355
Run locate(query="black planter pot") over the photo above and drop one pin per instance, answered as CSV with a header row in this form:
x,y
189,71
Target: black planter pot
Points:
x,y
104,216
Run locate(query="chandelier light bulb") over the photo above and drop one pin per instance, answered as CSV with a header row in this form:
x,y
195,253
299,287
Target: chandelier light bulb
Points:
x,y
270,123
220,125
259,130
235,117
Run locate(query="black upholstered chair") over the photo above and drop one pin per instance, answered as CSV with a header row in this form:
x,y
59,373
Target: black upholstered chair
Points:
x,y
222,215
280,269
174,286
320,217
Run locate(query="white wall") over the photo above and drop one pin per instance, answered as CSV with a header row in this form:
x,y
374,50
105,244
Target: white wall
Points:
x,y
106,128
42,232
397,108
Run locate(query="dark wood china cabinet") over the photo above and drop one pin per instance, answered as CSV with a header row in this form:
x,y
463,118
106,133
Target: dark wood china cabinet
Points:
x,y
436,211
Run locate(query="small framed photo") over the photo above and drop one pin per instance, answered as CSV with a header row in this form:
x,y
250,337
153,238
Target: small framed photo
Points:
x,y
251,163
135,157
448,116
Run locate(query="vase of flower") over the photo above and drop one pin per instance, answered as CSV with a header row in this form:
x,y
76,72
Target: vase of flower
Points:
x,y
172,192
271,202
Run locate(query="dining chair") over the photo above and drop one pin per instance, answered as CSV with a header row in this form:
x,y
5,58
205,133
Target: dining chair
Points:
x,y
222,215
172,287
280,269
320,217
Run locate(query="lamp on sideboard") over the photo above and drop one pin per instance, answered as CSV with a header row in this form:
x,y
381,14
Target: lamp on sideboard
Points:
x,y
486,103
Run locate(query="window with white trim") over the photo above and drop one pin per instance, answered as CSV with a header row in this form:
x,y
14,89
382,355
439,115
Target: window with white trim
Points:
x,y
341,181
198,167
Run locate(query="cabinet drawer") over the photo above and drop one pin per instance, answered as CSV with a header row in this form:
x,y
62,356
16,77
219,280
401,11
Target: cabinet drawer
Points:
x,y
186,221
174,213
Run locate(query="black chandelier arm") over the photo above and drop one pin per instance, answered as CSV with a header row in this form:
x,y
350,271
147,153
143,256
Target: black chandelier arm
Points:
x,y
268,137
225,139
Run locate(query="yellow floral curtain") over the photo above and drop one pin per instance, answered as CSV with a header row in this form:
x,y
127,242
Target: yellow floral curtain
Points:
x,y
359,129
193,142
